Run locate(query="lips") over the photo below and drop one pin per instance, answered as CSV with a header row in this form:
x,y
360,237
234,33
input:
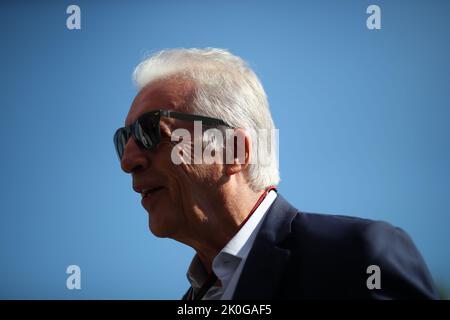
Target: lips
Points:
x,y
151,196
150,191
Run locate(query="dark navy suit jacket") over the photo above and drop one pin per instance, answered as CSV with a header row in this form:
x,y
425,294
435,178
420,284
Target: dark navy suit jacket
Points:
x,y
299,255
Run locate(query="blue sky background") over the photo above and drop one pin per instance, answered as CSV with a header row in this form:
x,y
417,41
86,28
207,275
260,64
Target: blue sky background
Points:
x,y
363,118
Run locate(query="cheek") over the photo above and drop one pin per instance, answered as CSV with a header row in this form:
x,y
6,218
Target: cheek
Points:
x,y
168,171
185,178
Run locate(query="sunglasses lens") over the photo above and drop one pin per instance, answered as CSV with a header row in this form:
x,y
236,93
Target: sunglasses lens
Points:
x,y
147,131
120,140
142,136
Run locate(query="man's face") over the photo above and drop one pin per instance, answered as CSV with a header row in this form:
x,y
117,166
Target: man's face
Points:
x,y
178,189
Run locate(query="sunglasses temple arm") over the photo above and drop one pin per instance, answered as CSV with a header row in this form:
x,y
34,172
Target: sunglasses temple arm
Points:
x,y
192,117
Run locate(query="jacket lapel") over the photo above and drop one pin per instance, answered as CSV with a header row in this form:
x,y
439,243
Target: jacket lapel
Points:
x,y
267,259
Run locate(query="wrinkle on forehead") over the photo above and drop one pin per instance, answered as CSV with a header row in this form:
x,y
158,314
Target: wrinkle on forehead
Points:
x,y
170,94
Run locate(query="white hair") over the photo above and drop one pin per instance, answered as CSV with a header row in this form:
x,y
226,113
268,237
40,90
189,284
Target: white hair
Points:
x,y
225,88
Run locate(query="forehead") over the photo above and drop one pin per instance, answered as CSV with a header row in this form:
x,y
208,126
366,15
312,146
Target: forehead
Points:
x,y
170,94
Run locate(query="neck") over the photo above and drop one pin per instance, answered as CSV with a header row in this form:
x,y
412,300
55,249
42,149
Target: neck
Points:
x,y
228,210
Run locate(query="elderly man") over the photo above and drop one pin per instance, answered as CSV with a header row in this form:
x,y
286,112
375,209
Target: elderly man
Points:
x,y
250,242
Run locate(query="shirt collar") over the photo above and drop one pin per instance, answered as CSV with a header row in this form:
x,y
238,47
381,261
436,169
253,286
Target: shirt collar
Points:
x,y
236,246
237,249
197,273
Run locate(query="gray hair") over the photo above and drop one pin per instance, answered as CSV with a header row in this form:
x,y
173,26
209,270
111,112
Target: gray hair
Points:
x,y
225,88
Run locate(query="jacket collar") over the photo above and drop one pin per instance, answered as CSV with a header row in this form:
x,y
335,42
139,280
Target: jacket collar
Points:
x,y
267,259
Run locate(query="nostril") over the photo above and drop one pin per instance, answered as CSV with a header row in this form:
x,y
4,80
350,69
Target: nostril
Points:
x,y
137,168
132,166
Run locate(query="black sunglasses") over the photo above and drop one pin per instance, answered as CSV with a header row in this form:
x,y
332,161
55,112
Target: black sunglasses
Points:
x,y
146,130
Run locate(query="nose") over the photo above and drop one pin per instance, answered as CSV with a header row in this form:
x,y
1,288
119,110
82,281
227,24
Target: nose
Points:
x,y
133,158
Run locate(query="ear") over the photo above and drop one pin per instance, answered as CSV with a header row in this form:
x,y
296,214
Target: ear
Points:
x,y
240,144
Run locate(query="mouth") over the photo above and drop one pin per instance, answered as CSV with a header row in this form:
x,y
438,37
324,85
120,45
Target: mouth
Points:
x,y
146,192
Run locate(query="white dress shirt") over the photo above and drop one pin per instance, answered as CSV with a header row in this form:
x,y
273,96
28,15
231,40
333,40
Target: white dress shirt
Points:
x,y
230,261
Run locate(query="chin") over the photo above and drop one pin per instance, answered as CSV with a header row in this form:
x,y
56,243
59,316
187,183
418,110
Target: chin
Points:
x,y
159,230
